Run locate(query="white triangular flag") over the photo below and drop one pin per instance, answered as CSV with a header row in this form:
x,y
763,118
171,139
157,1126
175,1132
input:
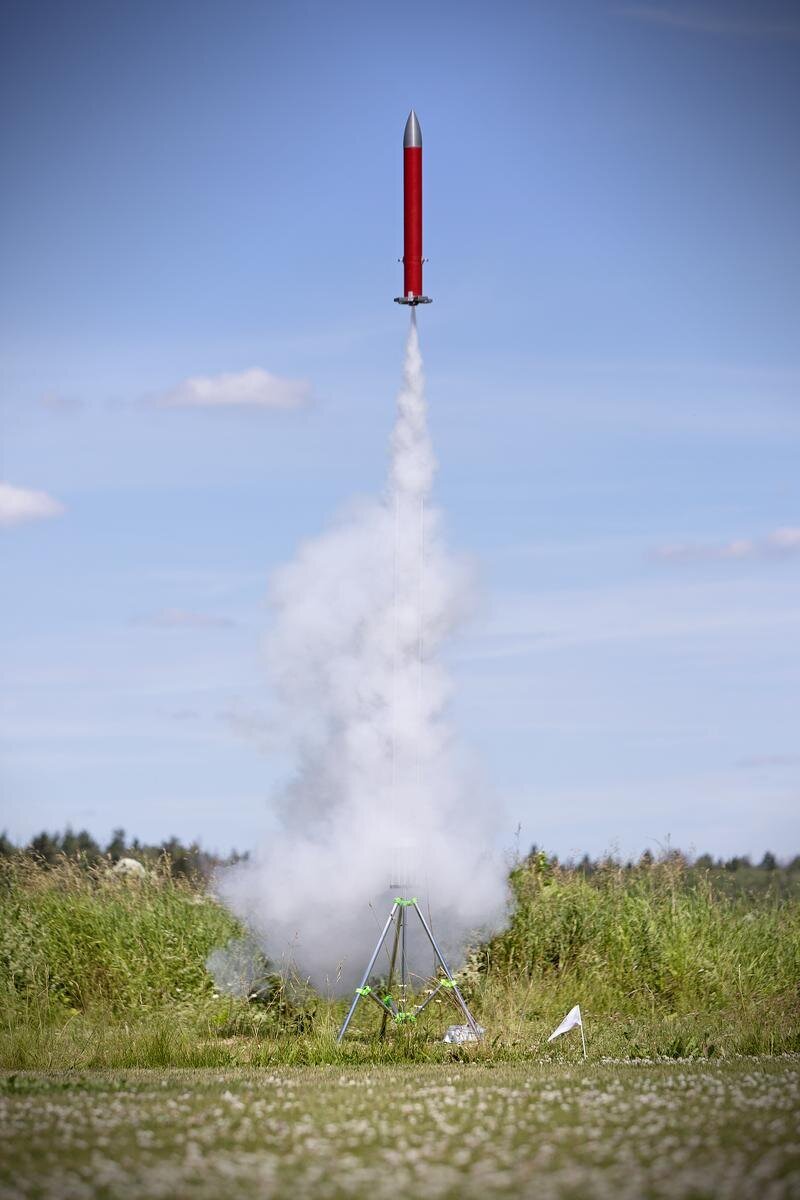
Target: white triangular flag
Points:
x,y
572,1019
569,1023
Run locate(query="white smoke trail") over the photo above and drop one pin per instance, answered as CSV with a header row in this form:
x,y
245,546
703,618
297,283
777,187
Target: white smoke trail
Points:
x,y
380,798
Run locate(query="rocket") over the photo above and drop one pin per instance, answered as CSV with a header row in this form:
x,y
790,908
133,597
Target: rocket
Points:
x,y
412,215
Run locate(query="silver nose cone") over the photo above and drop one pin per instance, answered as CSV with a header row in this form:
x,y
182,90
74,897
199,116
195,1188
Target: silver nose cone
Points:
x,y
413,133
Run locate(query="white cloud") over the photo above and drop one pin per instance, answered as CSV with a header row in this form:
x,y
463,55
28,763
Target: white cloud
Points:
x,y
181,618
785,539
780,543
254,388
18,505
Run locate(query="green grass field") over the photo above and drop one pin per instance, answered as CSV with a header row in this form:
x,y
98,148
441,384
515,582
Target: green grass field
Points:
x,y
616,1130
98,972
127,1075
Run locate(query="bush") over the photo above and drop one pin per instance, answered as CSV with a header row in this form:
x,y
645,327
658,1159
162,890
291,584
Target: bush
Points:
x,y
657,935
90,939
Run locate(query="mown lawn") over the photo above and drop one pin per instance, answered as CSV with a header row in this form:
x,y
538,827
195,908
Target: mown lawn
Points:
x,y
613,1129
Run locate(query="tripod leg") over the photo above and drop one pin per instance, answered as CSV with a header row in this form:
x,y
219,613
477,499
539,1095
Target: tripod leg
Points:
x,y
421,1007
403,960
462,1004
392,961
367,974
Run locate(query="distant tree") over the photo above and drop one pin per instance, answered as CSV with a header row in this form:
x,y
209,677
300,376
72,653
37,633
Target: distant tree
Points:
x,y
704,863
738,862
769,862
190,861
183,860
68,843
44,846
675,856
79,845
647,859
87,847
117,847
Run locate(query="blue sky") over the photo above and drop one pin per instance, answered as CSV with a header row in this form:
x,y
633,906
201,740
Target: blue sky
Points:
x,y
612,190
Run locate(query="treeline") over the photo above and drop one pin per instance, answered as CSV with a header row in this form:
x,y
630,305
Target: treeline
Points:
x,y
192,860
738,874
703,862
185,861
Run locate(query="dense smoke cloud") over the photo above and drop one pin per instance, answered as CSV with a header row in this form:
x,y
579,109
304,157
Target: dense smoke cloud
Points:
x,y
381,799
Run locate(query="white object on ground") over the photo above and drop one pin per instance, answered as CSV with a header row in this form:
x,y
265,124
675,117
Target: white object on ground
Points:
x,y
572,1019
129,866
462,1033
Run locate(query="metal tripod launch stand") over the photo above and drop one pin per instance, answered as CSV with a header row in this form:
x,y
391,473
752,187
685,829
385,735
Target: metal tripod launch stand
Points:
x,y
398,919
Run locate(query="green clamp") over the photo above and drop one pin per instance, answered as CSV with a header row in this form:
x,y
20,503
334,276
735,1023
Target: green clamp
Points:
x,y
365,991
448,983
405,1016
405,903
388,1001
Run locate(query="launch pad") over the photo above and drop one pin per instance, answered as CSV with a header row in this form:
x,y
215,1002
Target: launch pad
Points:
x,y
390,1008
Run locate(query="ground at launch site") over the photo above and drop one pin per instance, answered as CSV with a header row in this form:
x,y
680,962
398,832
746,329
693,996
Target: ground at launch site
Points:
x,y
627,1131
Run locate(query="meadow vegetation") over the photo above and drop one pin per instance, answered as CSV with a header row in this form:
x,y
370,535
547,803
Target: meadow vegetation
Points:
x,y
705,1131
103,971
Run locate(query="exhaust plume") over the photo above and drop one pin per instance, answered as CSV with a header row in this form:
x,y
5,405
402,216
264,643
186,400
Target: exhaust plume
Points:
x,y
381,801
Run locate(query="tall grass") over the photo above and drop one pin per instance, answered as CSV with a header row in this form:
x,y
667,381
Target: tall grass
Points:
x,y
102,971
87,939
654,938
661,961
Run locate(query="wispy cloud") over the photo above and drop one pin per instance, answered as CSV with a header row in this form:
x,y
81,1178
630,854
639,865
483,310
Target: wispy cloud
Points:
x,y
19,505
250,726
55,402
781,543
704,21
181,618
741,611
717,810
254,388
184,714
770,760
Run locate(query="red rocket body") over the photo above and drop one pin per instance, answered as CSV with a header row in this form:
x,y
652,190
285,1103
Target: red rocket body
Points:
x,y
412,215
412,221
